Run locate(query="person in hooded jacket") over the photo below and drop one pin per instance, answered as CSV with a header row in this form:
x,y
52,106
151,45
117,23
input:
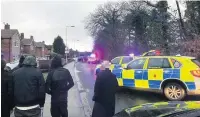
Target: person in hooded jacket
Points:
x,y
6,91
29,89
104,92
59,81
21,60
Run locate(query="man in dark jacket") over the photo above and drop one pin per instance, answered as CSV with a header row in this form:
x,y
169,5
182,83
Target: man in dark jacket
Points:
x,y
59,81
21,60
6,91
29,89
104,92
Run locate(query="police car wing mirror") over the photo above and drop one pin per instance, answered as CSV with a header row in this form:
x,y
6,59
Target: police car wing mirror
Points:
x,y
125,66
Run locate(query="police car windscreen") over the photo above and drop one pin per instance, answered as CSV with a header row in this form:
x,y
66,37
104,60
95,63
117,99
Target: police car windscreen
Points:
x,y
196,61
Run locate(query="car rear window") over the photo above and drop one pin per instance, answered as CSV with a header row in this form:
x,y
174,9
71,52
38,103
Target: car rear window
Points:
x,y
196,61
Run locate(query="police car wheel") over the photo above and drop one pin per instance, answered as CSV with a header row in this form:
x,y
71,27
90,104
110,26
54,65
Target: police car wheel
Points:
x,y
174,91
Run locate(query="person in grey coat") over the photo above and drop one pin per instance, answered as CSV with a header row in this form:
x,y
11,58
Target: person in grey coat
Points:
x,y
104,92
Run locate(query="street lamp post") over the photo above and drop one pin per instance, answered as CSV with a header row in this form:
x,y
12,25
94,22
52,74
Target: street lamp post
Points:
x,y
74,46
67,50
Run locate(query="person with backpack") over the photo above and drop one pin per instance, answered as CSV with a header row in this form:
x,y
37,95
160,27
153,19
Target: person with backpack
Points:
x,y
59,81
29,89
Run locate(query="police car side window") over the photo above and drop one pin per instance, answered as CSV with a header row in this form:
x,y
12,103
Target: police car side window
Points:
x,y
126,59
166,63
136,64
156,63
115,60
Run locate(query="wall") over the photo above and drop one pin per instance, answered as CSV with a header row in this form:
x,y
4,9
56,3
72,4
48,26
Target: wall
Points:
x,y
16,48
38,52
26,49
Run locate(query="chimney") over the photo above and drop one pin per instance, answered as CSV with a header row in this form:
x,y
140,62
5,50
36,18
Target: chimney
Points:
x,y
22,35
31,37
7,26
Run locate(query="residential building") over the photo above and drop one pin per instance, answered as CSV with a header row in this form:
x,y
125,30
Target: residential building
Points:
x,y
40,49
10,43
48,49
27,45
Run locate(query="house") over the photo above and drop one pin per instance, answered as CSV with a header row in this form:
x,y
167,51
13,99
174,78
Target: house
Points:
x,y
39,49
10,43
48,49
27,45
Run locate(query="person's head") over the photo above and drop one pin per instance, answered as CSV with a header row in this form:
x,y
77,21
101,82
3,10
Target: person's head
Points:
x,y
30,61
105,65
21,60
3,64
56,62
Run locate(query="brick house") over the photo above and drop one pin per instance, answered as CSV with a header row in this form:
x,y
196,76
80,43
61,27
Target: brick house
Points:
x,y
27,45
39,49
10,43
48,49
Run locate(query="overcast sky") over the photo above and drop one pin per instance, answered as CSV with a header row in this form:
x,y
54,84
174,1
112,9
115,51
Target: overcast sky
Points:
x,y
47,19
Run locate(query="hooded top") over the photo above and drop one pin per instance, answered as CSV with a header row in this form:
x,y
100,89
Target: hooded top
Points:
x,y
56,62
30,61
21,60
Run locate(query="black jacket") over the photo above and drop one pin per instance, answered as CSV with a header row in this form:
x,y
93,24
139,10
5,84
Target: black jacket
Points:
x,y
104,91
6,91
29,87
58,82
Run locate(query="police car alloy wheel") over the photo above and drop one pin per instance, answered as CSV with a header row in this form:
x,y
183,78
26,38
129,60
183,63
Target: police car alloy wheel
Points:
x,y
174,92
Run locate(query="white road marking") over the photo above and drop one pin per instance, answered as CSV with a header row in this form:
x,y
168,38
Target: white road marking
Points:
x,y
83,95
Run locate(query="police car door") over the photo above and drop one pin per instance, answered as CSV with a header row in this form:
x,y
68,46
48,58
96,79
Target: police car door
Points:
x,y
115,63
132,75
158,68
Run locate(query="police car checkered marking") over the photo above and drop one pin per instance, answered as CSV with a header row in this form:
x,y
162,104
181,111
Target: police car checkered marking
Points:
x,y
191,85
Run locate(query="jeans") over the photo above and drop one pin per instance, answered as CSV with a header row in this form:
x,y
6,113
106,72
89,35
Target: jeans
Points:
x,y
35,112
59,109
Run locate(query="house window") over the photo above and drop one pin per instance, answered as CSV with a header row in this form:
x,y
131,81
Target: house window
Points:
x,y
15,43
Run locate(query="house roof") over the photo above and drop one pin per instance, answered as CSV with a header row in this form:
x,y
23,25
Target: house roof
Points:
x,y
27,41
48,47
39,44
8,33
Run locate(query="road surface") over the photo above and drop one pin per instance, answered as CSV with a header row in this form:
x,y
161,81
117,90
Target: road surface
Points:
x,y
124,98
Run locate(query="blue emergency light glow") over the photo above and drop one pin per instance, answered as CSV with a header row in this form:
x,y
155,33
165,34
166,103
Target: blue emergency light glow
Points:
x,y
132,55
93,55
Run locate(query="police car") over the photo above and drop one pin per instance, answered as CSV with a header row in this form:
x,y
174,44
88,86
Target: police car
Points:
x,y
174,76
